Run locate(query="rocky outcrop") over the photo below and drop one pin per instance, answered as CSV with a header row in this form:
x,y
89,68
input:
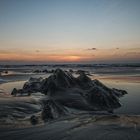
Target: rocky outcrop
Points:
x,y
32,86
64,90
34,120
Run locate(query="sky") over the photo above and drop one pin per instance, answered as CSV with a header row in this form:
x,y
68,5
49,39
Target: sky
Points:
x,y
69,31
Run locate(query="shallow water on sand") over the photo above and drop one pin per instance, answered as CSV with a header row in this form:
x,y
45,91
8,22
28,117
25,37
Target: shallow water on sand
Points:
x,y
131,101
8,87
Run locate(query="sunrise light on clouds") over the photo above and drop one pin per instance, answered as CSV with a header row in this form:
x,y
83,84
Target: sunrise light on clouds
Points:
x,y
70,31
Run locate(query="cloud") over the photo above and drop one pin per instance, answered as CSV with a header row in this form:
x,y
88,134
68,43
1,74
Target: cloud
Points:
x,y
37,51
92,49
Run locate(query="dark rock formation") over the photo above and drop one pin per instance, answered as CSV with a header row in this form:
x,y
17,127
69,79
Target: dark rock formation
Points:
x,y
14,92
34,120
33,85
64,90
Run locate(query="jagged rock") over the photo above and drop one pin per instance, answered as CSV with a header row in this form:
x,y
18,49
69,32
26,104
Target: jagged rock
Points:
x,y
102,98
59,80
78,93
64,79
14,92
119,92
33,85
84,81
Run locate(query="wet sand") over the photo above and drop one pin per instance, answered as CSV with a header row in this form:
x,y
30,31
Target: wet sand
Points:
x,y
80,127
16,111
130,78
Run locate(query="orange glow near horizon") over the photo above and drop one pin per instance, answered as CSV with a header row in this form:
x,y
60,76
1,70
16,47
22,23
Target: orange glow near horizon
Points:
x,y
71,56
39,57
74,52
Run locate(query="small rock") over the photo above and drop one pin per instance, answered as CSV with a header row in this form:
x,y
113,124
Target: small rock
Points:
x,y
14,92
34,120
46,113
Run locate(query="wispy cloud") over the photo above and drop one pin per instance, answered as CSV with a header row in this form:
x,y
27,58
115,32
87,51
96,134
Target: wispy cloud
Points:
x,y
92,49
37,51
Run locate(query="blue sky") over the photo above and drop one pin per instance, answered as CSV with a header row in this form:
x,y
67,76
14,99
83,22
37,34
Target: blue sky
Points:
x,y
65,30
